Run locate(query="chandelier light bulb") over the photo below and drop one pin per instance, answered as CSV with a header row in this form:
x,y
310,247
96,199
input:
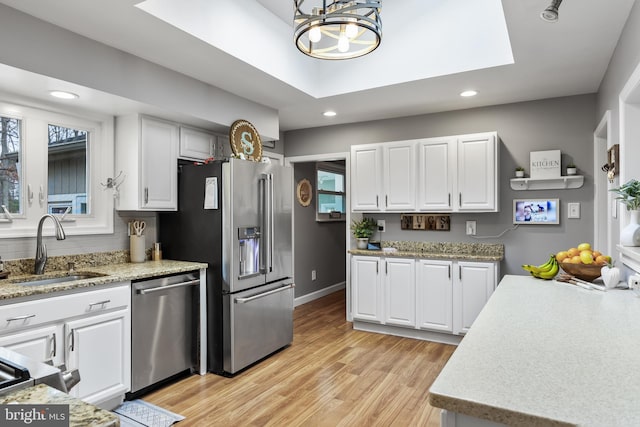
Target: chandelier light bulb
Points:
x,y
351,30
314,34
343,43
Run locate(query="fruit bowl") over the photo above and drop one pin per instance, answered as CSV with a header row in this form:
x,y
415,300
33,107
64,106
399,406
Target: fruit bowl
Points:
x,y
588,272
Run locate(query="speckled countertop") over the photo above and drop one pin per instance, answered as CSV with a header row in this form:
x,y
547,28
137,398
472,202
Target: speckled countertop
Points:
x,y
110,266
80,413
439,250
547,353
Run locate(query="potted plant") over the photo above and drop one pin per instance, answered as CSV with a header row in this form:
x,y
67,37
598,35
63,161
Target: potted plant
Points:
x,y
519,172
362,230
629,195
571,169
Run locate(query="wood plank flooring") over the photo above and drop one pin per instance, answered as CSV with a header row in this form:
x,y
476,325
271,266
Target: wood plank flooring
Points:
x,y
330,376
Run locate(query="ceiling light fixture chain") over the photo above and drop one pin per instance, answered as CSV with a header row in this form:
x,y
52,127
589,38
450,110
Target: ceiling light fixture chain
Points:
x,y
337,29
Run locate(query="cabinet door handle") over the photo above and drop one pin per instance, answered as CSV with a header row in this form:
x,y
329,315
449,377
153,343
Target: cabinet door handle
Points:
x,y
377,270
460,272
29,194
459,199
73,340
54,345
146,195
107,301
449,201
25,317
386,268
386,201
41,196
376,201
449,271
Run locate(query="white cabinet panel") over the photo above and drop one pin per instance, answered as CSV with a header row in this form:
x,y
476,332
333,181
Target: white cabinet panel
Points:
x,y
42,343
399,161
434,295
477,173
437,160
366,288
366,177
147,154
196,144
475,283
99,347
400,292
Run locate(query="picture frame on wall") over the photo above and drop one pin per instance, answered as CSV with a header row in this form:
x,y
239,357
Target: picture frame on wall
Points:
x,y
536,211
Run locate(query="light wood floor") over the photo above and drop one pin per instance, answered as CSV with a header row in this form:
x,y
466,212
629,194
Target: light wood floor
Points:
x,y
330,376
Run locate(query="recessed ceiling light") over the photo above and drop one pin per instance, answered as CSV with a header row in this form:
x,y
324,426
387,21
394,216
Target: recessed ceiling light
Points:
x,y
329,114
468,93
63,94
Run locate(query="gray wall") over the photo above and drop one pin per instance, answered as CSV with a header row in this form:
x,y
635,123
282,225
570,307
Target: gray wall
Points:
x,y
319,246
561,123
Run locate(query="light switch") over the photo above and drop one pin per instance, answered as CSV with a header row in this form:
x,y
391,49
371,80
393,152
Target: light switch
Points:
x,y
574,210
471,228
381,225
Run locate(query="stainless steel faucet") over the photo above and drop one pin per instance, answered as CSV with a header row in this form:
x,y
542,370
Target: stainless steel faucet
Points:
x,y
41,249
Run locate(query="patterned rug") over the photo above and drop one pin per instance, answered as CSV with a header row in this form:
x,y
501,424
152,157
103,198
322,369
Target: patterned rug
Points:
x,y
138,413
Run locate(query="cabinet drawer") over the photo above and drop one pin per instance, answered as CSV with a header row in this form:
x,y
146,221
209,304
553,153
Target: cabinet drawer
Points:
x,y
37,312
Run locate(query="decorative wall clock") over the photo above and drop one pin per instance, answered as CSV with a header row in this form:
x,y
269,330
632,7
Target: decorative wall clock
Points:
x,y
304,192
245,141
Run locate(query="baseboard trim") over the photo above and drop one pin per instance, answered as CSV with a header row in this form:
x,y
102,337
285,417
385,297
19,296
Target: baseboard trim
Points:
x,y
319,294
419,334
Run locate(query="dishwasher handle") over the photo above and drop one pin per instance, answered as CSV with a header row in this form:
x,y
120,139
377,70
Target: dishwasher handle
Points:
x,y
163,288
264,294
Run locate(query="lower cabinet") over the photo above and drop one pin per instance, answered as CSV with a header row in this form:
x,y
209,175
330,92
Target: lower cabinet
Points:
x,y
89,331
433,295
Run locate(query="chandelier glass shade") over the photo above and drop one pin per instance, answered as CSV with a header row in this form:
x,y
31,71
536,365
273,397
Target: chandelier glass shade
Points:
x,y
337,29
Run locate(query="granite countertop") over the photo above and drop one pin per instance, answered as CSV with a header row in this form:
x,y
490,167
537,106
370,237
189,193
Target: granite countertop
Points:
x,y
110,267
547,353
80,413
438,250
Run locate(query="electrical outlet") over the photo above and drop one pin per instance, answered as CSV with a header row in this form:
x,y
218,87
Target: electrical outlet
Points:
x,y
381,225
313,275
574,210
471,228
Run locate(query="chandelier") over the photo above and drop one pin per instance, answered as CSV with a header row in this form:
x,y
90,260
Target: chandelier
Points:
x,y
337,29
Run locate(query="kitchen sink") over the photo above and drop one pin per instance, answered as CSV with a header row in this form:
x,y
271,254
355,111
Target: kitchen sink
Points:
x,y
62,279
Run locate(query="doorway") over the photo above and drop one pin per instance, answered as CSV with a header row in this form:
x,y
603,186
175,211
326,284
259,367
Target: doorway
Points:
x,y
604,202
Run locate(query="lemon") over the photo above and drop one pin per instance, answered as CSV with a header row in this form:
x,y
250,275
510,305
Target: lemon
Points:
x,y
586,256
584,247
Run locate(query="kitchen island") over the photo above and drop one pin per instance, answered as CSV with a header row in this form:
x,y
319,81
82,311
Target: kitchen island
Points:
x,y
545,353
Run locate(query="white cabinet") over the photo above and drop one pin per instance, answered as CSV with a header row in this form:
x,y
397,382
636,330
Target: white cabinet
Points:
x,y
40,343
474,284
366,177
458,173
478,173
196,144
399,292
383,177
88,330
147,153
366,288
434,295
428,295
437,161
99,347
399,189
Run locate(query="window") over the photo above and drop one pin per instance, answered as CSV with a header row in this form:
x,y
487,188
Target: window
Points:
x,y
10,141
330,191
53,162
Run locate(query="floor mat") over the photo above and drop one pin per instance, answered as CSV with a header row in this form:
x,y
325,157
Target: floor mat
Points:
x,y
138,413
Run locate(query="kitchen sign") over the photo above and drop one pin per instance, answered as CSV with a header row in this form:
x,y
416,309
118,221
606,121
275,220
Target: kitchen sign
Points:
x,y
545,164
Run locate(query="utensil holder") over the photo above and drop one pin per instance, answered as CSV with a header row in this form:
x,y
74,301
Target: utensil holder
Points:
x,y
136,248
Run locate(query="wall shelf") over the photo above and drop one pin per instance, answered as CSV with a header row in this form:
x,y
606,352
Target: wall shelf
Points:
x,y
560,183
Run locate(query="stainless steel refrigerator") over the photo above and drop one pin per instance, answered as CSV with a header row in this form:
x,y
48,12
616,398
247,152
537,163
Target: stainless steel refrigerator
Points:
x,y
236,216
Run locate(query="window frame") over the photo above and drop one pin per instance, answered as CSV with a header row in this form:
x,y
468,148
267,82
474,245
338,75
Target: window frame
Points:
x,y
339,170
34,170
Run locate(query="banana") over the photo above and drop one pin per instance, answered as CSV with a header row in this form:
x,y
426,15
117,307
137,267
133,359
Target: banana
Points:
x,y
534,270
548,275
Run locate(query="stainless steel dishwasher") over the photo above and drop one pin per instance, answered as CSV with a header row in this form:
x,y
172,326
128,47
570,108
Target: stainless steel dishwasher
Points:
x,y
163,328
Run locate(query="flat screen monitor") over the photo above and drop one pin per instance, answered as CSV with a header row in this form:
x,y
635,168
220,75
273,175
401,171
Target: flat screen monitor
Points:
x,y
536,211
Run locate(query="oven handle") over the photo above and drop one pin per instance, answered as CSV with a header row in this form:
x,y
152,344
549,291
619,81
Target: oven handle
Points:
x,y
264,294
163,288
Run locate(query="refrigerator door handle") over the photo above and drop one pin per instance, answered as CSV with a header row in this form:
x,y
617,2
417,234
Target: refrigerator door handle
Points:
x,y
264,221
264,294
271,225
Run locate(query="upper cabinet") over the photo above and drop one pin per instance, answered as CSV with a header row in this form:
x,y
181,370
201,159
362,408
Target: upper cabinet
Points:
x,y
146,153
196,144
391,190
451,174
